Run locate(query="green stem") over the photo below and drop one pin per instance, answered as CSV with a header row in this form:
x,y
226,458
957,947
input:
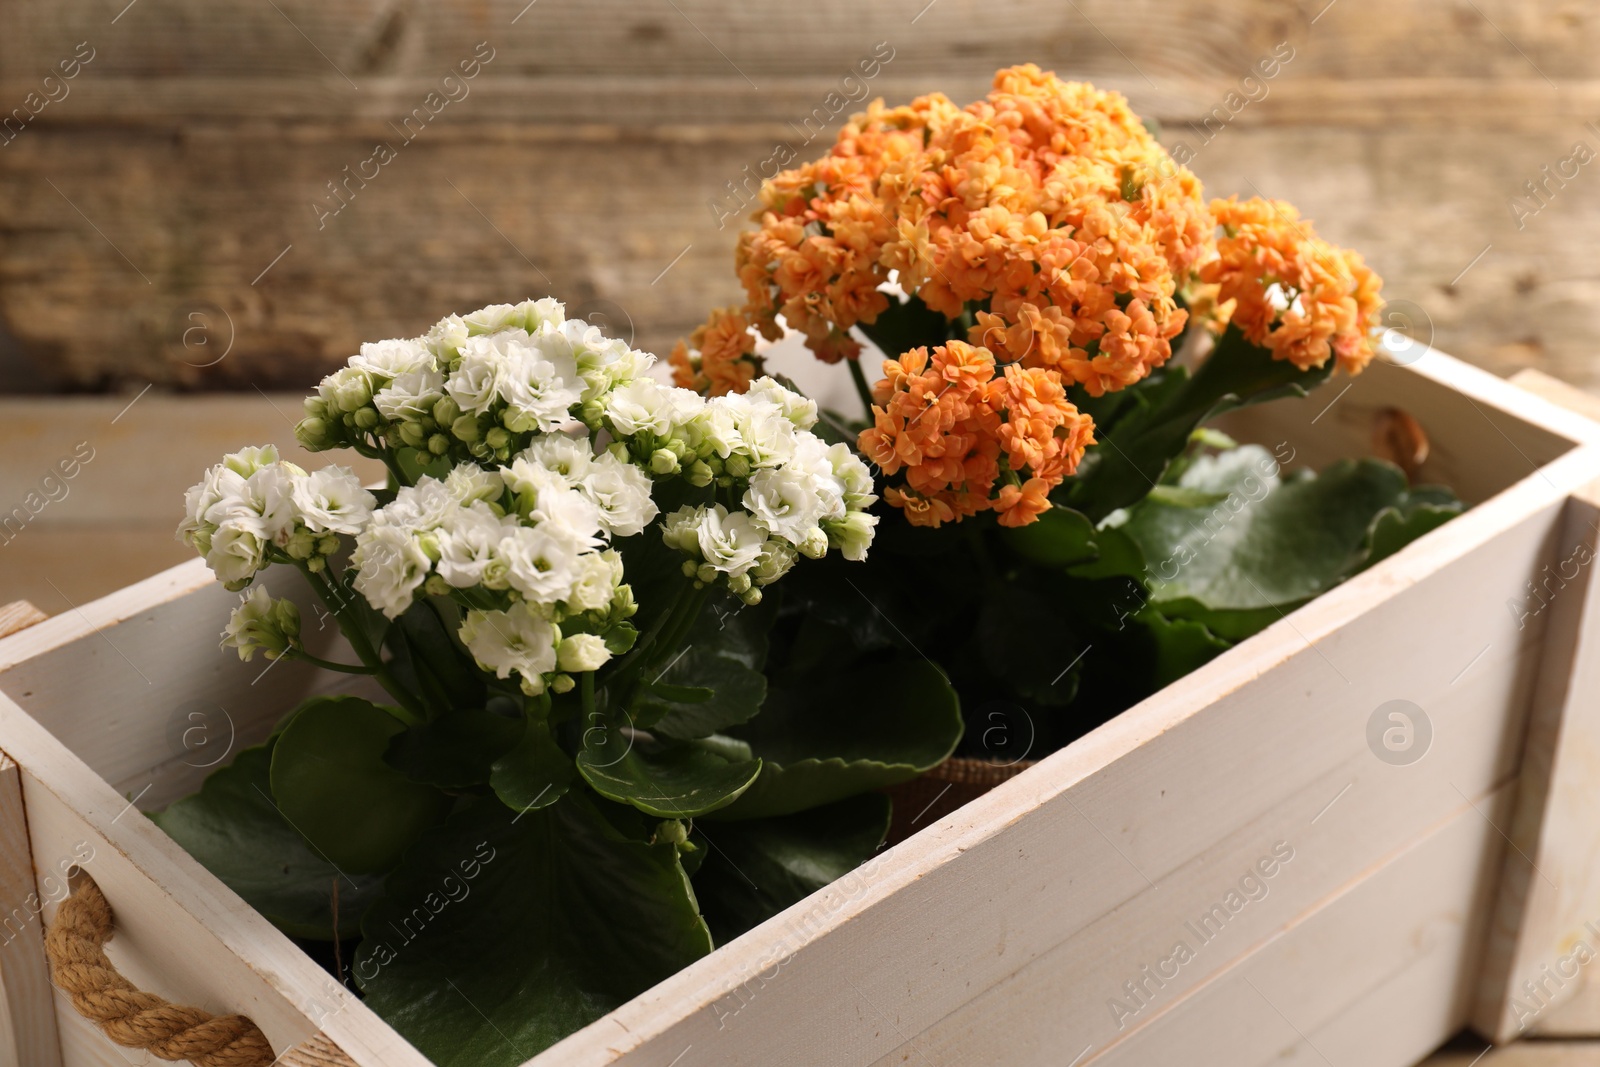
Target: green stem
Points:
x,y
586,686
411,711
326,664
863,390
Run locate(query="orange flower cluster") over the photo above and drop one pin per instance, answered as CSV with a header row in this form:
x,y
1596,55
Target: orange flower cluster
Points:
x,y
958,428
1047,221
1290,291
723,360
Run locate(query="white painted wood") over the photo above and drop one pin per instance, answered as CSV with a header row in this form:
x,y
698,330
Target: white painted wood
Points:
x,y
27,1023
1315,972
180,932
1550,890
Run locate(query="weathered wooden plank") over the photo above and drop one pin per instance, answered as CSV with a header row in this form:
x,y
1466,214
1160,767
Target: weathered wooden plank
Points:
x,y
27,1020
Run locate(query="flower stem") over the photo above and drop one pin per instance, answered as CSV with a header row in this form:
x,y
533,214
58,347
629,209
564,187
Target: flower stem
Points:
x,y
411,711
863,390
328,665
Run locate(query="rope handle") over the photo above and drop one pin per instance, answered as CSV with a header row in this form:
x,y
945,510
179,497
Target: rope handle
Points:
x,y
75,945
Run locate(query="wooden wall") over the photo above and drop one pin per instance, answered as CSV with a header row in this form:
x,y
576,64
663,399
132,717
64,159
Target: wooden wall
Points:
x,y
161,211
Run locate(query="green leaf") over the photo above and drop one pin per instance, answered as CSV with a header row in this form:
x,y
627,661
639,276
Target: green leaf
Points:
x,y
677,780
1181,645
756,868
534,774
715,682
236,832
1060,537
455,750
502,933
846,733
1133,453
1264,548
1030,641
330,781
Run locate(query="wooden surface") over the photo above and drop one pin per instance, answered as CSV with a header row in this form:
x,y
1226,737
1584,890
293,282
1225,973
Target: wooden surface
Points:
x,y
112,522
143,215
27,1016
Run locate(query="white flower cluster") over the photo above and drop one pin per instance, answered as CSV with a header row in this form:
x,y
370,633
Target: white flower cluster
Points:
x,y
794,495
543,440
531,536
252,501
474,387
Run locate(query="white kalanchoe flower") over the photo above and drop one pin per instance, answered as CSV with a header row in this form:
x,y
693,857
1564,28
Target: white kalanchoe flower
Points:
x,y
518,639
621,493
390,567
468,482
418,508
410,397
473,385
469,544
493,318
567,456
538,382
599,576
391,359
852,535
332,500
543,563
787,502
247,461
582,652
644,405
729,541
235,555
796,407
262,624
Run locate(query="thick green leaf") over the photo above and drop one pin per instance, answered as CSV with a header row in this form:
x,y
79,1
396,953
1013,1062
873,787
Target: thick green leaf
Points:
x,y
236,832
1030,640
330,782
1060,537
1181,645
1263,548
848,732
1135,451
755,868
503,933
455,750
675,780
534,774
716,681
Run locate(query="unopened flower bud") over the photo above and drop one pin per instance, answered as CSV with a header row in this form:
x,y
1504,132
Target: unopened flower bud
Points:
x,y
412,435
436,586
498,438
438,444
446,411
706,573
737,466
561,683
366,418
698,474
663,461
466,428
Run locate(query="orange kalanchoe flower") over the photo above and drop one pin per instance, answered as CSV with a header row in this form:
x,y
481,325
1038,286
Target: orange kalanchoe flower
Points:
x,y
1051,225
724,360
948,422
1290,291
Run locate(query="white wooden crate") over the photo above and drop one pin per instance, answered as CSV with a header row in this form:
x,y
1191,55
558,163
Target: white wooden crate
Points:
x,y
1006,932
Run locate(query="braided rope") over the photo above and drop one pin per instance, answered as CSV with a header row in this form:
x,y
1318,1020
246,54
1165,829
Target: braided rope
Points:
x,y
75,945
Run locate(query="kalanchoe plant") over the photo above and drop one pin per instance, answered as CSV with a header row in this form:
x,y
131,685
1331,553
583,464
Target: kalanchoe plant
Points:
x,y
1031,266
564,596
